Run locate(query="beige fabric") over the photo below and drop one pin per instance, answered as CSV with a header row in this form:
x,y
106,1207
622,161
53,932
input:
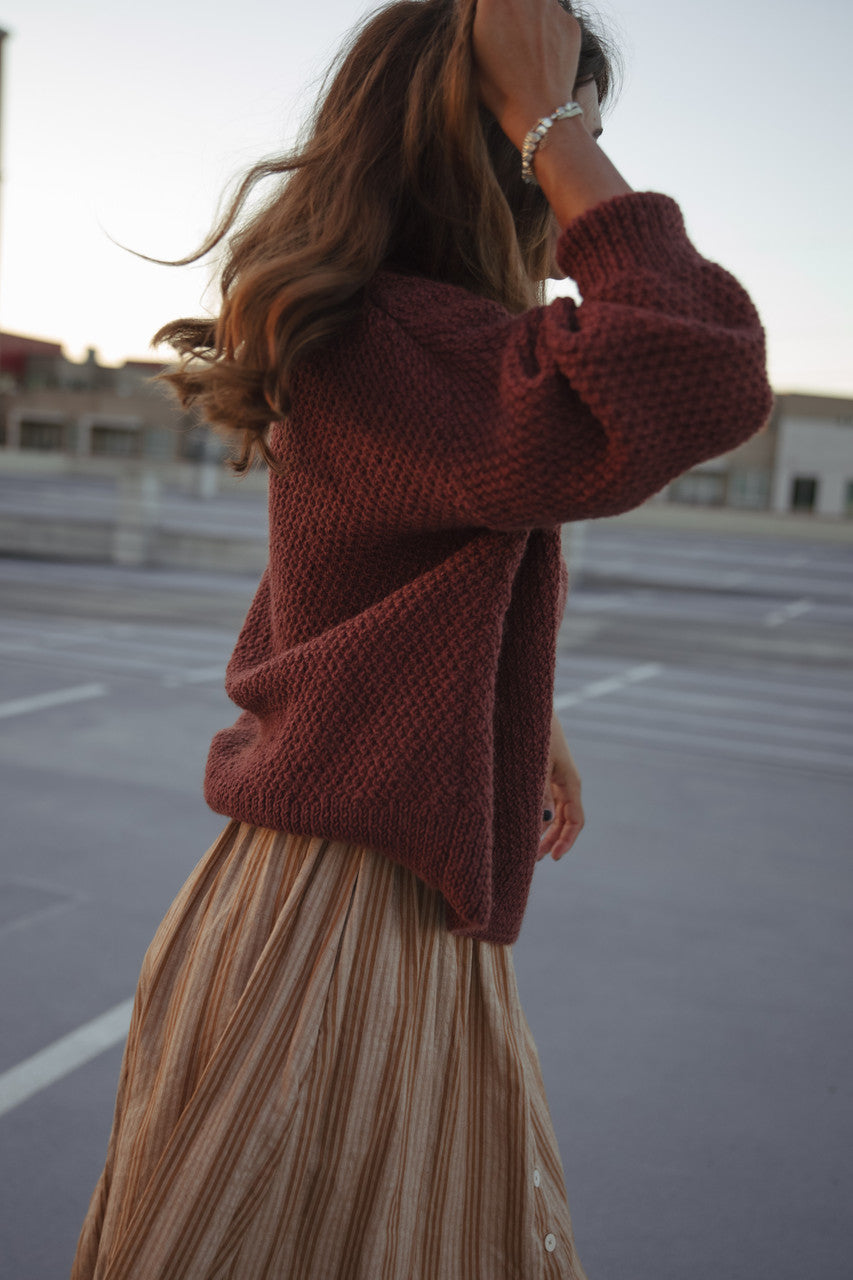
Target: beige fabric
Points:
x,y
322,1083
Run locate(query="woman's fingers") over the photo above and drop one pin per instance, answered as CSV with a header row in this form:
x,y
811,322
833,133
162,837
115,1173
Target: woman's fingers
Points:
x,y
526,55
559,838
563,798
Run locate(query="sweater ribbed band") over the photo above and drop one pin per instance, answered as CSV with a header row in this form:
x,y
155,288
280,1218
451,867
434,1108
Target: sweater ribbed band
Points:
x,y
389,826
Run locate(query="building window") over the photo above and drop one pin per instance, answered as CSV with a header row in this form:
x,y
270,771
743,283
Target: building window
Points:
x,y
702,488
749,489
42,435
803,493
115,442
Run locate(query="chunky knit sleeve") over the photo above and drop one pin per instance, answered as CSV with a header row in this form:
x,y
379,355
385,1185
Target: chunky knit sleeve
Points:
x,y
567,412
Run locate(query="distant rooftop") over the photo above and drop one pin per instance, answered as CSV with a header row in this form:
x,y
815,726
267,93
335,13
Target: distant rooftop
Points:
x,y
18,349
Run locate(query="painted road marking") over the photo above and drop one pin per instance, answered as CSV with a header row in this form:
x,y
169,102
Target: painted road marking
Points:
x,y
64,1056
787,611
611,684
203,675
777,753
42,701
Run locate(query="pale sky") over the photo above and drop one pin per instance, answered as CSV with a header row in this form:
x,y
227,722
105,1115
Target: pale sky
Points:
x,y
131,121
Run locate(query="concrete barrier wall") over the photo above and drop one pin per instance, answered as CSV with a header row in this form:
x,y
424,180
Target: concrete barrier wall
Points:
x,y
101,542
179,550
732,521
204,478
134,529
36,538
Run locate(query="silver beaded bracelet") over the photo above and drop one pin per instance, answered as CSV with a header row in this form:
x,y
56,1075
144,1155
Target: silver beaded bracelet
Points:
x,y
536,135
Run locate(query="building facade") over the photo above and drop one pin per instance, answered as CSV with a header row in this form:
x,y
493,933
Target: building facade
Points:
x,y
814,456
49,404
802,461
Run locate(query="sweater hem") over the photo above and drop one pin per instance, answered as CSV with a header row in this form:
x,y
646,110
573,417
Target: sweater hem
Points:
x,y
395,828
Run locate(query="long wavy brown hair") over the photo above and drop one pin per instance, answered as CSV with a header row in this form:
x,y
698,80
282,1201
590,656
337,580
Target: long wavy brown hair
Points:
x,y
402,167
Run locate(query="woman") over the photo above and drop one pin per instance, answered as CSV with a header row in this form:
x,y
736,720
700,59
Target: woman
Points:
x,y
328,1072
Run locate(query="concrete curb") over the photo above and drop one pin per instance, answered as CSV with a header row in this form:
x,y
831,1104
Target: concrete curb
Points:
x,y
732,522
104,542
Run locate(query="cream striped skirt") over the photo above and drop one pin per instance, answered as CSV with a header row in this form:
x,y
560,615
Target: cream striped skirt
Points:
x,y
322,1083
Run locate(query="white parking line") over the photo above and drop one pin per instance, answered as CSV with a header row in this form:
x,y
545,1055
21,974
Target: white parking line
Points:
x,y
64,1056
708,744
786,612
600,688
203,675
41,701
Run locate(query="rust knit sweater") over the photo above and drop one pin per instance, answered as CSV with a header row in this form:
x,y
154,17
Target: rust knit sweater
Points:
x,y
396,666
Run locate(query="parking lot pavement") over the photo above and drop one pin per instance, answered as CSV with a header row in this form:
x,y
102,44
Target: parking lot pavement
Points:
x,y
684,970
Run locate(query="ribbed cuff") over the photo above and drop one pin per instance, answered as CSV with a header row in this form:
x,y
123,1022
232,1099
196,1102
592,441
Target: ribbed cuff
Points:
x,y
638,229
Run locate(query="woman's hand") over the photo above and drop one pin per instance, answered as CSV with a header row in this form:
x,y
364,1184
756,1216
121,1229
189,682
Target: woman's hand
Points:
x,y
526,53
562,797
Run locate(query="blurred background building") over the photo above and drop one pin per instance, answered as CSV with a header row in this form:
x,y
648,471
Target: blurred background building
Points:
x,y
95,416
50,404
802,461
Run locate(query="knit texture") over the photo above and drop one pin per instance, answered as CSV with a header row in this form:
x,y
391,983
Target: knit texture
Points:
x,y
396,667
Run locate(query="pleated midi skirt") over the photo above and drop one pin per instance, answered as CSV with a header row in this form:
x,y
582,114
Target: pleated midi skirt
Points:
x,y
322,1083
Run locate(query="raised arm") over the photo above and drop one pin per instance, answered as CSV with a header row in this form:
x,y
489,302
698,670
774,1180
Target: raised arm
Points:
x,y
527,52
564,412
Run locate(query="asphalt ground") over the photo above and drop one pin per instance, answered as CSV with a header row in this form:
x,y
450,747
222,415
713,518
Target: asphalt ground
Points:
x,y
685,971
